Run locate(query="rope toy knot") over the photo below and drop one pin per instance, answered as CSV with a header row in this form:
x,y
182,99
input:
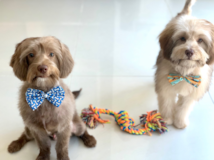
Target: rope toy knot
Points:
x,y
150,122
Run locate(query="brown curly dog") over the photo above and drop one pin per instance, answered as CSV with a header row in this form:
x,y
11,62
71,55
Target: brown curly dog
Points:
x,y
41,62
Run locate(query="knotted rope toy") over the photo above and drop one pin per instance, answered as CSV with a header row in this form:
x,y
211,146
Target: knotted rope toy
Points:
x,y
152,121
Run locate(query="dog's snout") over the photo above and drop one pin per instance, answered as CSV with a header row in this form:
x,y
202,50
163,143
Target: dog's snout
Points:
x,y
42,68
189,53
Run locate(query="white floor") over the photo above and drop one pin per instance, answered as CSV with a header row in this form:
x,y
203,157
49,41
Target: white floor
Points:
x,y
114,44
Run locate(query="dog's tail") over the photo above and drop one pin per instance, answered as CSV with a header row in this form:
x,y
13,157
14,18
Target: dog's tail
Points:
x,y
76,93
187,7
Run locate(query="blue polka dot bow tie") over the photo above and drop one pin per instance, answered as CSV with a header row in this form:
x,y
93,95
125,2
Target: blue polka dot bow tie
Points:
x,y
35,97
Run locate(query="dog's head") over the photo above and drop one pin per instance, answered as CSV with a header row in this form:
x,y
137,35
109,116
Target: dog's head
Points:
x,y
41,60
188,42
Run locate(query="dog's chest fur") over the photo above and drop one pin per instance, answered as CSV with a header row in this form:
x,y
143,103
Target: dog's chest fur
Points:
x,y
182,88
47,116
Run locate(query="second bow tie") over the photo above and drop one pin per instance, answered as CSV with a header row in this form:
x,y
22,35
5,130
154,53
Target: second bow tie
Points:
x,y
176,78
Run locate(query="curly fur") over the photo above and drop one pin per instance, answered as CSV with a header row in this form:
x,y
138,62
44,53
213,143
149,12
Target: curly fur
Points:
x,y
47,120
183,33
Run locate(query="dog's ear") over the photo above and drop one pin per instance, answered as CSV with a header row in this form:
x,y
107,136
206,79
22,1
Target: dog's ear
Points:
x,y
211,51
19,66
67,62
166,42
211,55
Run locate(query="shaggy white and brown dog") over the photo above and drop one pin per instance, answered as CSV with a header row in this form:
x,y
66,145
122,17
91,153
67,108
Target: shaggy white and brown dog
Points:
x,y
187,49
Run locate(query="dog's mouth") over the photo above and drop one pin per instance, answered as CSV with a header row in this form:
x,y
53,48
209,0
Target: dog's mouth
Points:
x,y
43,76
187,60
190,60
188,63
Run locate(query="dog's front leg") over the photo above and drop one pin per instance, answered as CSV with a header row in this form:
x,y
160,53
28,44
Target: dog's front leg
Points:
x,y
166,103
63,138
182,110
19,143
44,144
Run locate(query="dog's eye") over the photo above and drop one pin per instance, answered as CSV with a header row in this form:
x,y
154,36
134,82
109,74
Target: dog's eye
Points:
x,y
31,55
200,40
51,54
183,39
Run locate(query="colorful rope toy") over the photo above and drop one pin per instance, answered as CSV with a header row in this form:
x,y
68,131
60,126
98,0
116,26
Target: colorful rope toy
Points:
x,y
152,121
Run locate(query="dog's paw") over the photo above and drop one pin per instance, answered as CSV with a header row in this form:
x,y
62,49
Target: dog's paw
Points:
x,y
88,140
181,124
43,157
62,157
65,158
14,147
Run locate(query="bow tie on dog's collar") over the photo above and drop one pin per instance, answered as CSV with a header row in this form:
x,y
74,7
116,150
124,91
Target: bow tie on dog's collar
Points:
x,y
35,97
176,78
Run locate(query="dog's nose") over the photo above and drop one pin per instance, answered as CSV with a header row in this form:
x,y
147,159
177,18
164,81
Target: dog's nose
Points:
x,y
42,68
189,53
